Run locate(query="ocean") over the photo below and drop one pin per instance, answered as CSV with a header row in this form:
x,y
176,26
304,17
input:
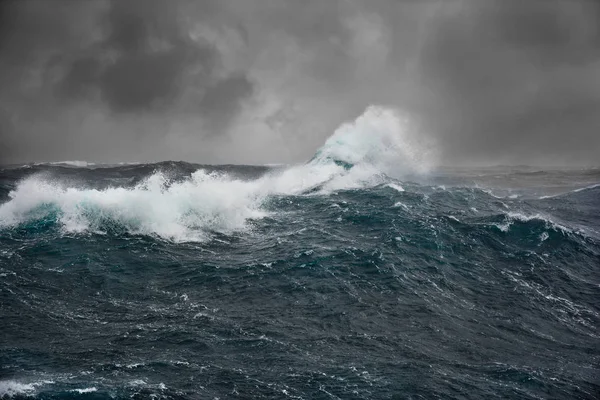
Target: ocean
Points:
x,y
363,273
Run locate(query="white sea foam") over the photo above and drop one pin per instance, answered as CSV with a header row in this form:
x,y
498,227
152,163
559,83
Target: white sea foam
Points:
x,y
85,390
544,218
587,188
595,185
380,137
395,187
489,192
357,155
511,217
10,388
178,211
400,204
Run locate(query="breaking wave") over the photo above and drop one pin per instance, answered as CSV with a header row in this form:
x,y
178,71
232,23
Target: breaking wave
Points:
x,y
353,275
358,154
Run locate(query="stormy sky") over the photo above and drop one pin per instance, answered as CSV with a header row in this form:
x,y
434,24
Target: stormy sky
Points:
x,y
265,81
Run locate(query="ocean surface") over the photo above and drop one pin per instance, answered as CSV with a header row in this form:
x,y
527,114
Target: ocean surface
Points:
x,y
363,273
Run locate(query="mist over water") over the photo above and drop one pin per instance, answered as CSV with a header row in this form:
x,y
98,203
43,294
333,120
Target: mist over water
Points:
x,y
367,271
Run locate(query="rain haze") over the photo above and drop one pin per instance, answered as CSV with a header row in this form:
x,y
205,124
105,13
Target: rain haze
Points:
x,y
267,81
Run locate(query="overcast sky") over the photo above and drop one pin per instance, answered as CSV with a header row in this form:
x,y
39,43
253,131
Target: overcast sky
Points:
x,y
262,81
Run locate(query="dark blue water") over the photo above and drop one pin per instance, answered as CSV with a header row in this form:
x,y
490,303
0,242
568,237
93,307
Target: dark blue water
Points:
x,y
159,281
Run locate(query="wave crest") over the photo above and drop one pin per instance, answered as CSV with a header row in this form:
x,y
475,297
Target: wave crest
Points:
x,y
380,137
172,210
355,156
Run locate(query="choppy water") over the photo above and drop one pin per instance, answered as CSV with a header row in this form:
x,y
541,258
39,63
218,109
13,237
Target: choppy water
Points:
x,y
330,279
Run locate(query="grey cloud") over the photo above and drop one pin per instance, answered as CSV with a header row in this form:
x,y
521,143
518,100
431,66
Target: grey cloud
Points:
x,y
141,81
491,80
224,98
144,63
510,75
31,29
80,78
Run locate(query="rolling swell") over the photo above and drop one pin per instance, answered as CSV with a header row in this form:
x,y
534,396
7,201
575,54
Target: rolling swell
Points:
x,y
320,280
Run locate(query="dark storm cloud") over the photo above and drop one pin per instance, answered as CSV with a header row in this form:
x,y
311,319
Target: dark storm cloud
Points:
x,y
516,80
224,98
134,59
268,80
146,60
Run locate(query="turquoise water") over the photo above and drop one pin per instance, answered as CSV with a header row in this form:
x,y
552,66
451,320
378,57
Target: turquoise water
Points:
x,y
183,281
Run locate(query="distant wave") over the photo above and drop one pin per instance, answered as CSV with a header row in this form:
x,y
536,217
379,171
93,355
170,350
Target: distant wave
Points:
x,y
511,217
78,164
586,188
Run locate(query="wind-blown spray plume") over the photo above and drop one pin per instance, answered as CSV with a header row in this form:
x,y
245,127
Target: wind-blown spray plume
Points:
x,y
358,154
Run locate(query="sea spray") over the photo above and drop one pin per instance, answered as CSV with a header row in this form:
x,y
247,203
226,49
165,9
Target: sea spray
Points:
x,y
358,154
181,281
